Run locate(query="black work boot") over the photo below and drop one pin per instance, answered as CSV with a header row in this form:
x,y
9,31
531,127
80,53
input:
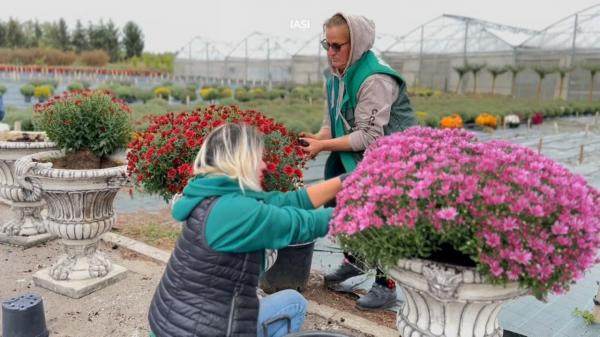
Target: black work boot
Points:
x,y
344,272
378,298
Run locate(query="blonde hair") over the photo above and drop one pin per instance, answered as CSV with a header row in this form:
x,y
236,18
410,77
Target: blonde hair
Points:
x,y
233,150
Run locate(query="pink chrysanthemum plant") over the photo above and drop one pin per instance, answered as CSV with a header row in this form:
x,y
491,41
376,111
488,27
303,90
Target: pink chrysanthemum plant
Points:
x,y
442,195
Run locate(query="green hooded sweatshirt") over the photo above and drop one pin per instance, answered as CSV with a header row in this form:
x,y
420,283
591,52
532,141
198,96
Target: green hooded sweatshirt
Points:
x,y
247,221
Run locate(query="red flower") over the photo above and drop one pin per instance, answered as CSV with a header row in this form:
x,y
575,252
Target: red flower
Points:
x,y
217,123
288,170
172,173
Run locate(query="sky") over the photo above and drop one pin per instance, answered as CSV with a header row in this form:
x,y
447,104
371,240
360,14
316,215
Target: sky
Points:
x,y
169,26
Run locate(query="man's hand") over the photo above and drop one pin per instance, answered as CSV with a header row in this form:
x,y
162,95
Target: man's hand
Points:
x,y
313,148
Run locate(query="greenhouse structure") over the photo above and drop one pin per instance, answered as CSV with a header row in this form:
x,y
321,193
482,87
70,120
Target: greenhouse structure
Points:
x,y
450,53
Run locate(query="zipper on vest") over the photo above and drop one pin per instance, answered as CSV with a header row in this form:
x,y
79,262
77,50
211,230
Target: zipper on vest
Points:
x,y
230,320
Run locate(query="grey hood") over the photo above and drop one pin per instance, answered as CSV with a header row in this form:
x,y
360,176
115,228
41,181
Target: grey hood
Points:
x,y
362,38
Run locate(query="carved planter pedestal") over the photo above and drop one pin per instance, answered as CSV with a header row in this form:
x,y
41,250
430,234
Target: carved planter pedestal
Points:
x,y
80,210
448,301
25,226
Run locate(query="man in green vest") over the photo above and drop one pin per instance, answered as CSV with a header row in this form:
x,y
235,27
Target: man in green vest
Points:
x,y
366,99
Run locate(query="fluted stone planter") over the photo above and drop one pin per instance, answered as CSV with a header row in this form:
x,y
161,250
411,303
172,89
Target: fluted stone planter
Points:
x,y
25,226
448,301
80,210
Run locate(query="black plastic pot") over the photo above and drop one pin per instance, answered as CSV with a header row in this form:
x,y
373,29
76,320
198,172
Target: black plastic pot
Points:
x,y
291,270
23,316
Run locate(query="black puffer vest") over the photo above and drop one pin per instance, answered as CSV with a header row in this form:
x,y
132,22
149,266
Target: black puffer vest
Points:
x,y
204,292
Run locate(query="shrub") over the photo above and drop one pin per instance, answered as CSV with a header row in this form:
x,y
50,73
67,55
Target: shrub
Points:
x,y
2,90
85,120
94,58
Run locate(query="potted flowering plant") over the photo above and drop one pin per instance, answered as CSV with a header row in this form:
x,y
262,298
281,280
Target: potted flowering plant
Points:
x,y
537,118
160,159
452,122
160,162
79,183
464,226
512,120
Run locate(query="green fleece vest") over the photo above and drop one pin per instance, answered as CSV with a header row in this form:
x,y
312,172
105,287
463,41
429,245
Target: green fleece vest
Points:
x,y
401,114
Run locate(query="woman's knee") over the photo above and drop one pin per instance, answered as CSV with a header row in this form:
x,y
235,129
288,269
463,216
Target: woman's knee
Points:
x,y
292,296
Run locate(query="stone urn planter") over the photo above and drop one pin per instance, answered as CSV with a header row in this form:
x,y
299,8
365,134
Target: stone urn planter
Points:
x,y
25,227
80,210
449,301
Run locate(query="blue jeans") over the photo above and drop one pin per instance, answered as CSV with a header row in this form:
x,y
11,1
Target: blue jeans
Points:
x,y
286,302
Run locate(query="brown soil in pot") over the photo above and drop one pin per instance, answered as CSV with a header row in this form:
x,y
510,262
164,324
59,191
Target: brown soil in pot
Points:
x,y
83,160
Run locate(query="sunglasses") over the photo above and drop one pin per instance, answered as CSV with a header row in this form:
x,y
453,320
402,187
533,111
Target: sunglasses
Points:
x,y
335,46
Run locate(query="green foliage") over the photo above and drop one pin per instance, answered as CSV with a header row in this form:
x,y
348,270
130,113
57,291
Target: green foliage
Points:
x,y
242,95
496,71
182,93
75,86
2,89
143,95
25,116
133,40
27,90
37,83
158,61
79,39
57,35
587,316
258,93
276,94
300,92
125,93
82,121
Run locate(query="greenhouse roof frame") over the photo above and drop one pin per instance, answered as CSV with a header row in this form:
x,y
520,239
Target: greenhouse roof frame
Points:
x,y
455,34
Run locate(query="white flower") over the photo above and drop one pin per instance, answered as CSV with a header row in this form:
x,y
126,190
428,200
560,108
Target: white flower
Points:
x,y
512,119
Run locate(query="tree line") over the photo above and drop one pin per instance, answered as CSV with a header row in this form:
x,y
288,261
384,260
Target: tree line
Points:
x,y
118,43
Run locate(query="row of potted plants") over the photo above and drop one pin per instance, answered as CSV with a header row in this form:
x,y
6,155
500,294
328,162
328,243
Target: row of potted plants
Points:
x,y
80,70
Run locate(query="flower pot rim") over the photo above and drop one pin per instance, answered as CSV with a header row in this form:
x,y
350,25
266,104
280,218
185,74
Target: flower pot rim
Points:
x,y
10,145
45,169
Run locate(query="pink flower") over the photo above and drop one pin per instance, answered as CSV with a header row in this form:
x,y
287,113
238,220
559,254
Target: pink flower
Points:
x,y
448,213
